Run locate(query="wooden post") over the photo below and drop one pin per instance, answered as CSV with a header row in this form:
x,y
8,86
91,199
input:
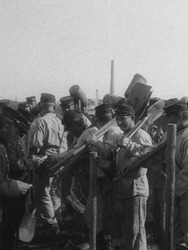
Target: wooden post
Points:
x,y
93,193
170,185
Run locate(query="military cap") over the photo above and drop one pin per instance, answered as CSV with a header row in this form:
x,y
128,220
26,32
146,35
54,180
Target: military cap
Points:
x,y
47,98
103,109
174,107
66,101
31,99
17,118
123,109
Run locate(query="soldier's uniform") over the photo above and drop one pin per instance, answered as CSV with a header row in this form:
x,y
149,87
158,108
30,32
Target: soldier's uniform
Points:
x,y
48,138
12,170
67,104
103,114
178,113
130,191
31,102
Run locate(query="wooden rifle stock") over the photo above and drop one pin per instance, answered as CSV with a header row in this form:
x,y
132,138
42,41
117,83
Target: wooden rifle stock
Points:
x,y
142,159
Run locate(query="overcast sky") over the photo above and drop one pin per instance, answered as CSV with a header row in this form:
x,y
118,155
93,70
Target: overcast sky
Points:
x,y
50,45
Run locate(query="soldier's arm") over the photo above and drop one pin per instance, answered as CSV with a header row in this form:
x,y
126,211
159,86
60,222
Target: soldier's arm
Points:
x,y
105,148
9,188
12,188
139,146
38,138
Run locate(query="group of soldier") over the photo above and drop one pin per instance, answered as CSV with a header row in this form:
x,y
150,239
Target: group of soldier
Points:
x,y
33,140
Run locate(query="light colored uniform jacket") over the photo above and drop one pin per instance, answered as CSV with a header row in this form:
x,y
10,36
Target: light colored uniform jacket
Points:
x,y
135,183
49,137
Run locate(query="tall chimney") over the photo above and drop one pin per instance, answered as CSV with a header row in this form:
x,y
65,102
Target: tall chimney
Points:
x,y
112,78
97,98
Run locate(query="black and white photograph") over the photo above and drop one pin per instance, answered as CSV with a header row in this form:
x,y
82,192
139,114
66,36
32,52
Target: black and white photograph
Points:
x,y
93,125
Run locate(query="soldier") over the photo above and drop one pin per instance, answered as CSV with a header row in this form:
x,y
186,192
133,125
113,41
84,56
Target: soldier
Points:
x,y
177,113
67,103
48,138
31,102
103,114
75,124
130,191
13,175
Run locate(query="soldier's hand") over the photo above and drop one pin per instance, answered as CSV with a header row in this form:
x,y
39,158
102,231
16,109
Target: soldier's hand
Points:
x,y
37,161
90,139
124,142
23,187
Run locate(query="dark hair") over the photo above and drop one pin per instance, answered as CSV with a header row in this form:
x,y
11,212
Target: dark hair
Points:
x,y
73,117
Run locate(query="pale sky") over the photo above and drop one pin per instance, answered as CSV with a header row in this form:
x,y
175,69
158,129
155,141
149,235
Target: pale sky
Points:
x,y
50,45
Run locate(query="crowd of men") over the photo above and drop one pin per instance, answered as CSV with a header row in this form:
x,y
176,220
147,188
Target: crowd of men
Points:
x,y
33,139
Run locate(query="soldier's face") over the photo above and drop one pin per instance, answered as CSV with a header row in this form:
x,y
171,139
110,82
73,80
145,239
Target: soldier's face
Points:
x,y
67,108
125,122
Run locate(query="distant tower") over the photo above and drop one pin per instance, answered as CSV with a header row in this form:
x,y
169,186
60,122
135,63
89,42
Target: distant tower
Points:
x,y
112,78
97,98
